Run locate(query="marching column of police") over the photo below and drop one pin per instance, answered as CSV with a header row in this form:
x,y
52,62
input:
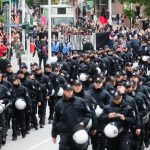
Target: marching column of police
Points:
x,y
94,97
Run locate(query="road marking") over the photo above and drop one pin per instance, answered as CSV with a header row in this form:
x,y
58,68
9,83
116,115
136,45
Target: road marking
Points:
x,y
39,144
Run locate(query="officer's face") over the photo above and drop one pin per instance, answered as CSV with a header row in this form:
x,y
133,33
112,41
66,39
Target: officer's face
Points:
x,y
98,85
129,68
134,79
129,89
16,82
121,89
68,93
24,70
48,69
117,100
77,88
119,78
21,76
34,67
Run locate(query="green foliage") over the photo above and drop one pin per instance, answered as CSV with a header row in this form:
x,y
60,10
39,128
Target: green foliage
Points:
x,y
146,3
1,19
128,13
147,11
29,2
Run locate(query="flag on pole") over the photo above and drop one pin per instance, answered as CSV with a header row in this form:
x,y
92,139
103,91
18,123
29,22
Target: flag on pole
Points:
x,y
103,19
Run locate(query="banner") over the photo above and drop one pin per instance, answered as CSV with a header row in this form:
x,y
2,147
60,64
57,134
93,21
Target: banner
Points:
x,y
102,39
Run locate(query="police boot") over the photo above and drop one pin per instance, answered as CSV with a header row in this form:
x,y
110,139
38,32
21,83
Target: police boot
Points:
x,y
50,121
36,127
23,135
41,126
14,138
4,141
147,143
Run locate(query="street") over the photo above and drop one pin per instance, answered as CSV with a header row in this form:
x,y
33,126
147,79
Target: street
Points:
x,y
36,140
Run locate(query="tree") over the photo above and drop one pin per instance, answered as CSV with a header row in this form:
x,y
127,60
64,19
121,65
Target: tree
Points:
x,y
29,2
146,3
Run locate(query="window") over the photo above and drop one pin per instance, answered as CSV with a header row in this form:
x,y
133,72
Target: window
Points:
x,y
61,10
103,2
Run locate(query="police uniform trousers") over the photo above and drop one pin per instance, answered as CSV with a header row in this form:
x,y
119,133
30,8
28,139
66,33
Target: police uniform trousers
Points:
x,y
42,111
51,104
2,128
34,112
67,143
121,142
18,119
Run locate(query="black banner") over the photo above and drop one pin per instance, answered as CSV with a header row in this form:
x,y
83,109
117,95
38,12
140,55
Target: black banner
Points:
x,y
102,39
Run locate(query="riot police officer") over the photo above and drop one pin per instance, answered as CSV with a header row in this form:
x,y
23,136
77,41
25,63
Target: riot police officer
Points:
x,y
120,113
46,88
18,118
5,98
69,112
36,97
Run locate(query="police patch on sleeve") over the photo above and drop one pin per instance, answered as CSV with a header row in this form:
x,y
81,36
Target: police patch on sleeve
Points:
x,y
8,93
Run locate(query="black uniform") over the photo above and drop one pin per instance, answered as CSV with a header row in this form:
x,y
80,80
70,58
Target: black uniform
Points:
x,y
122,141
4,98
18,117
46,88
69,113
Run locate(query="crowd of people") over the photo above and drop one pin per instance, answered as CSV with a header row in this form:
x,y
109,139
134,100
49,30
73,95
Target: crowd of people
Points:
x,y
90,90
103,86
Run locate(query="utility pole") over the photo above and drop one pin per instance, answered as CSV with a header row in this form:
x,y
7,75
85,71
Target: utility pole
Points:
x,y
49,31
10,21
110,11
23,22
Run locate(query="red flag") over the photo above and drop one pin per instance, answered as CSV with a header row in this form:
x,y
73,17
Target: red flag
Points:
x,y
103,20
44,21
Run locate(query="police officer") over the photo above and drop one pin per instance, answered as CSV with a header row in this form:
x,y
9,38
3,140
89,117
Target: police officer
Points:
x,y
138,134
98,92
5,98
8,111
120,112
29,84
36,97
9,73
55,47
102,98
46,88
69,111
18,117
80,92
53,97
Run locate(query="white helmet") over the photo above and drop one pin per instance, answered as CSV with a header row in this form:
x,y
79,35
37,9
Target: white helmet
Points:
x,y
98,70
2,106
53,92
145,119
83,76
112,130
80,137
98,111
20,104
145,58
89,125
60,92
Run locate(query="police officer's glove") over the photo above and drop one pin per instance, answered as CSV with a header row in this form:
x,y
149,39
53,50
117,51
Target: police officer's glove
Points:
x,y
81,123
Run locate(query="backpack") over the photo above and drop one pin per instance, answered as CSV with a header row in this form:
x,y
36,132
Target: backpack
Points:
x,y
44,50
